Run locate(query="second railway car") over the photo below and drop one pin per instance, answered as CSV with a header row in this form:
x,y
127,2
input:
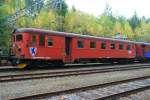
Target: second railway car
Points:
x,y
147,50
36,46
142,51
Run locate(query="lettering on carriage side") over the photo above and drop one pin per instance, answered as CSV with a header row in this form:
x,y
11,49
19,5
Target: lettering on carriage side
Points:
x,y
33,51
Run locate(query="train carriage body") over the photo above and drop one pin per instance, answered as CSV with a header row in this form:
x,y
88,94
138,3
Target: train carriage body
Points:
x,y
37,45
102,49
142,50
31,46
147,50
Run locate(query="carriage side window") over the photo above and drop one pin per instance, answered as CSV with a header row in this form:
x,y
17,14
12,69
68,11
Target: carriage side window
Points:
x,y
18,37
120,46
80,44
128,47
34,39
103,45
112,45
92,44
42,40
50,42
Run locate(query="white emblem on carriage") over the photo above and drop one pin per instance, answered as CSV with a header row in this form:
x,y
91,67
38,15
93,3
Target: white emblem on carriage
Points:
x,y
33,51
129,52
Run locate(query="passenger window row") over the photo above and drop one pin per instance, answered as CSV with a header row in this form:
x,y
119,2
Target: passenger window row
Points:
x,y
80,44
42,40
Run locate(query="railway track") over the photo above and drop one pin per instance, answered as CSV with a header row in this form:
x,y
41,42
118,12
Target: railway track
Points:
x,y
13,68
68,66
63,73
106,91
8,69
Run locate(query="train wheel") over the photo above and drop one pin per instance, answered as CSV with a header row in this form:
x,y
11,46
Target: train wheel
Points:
x,y
21,65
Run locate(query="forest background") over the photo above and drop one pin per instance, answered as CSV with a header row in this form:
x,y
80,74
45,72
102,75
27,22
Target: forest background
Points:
x,y
55,15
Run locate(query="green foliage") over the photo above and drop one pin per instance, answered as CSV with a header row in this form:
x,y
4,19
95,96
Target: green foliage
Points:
x,y
59,6
34,9
107,25
143,30
134,21
56,16
128,30
82,23
6,8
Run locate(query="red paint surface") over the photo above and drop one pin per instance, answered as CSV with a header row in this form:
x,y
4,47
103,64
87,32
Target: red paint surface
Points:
x,y
57,51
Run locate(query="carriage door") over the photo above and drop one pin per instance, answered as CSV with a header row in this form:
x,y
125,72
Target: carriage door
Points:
x,y
68,42
143,50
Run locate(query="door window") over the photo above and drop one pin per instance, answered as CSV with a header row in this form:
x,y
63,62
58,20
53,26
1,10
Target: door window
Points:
x,y
34,39
42,40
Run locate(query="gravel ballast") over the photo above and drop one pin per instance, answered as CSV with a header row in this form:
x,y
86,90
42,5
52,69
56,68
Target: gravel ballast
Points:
x,y
144,95
24,88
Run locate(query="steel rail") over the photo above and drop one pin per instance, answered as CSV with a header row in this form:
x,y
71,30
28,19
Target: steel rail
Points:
x,y
67,66
9,69
27,76
94,87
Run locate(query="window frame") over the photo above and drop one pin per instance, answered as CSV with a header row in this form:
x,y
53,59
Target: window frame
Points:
x,y
103,45
128,47
91,44
82,41
120,46
52,41
18,39
112,45
43,41
34,40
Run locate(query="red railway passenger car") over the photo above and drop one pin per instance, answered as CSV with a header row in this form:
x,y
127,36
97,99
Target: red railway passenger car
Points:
x,y
36,46
147,51
142,51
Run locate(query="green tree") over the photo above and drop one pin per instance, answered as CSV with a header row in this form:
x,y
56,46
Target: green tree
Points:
x,y
60,9
108,25
143,31
128,30
82,23
118,27
6,8
134,21
59,6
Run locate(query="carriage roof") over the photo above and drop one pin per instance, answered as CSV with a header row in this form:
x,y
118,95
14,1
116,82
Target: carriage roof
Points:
x,y
50,32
